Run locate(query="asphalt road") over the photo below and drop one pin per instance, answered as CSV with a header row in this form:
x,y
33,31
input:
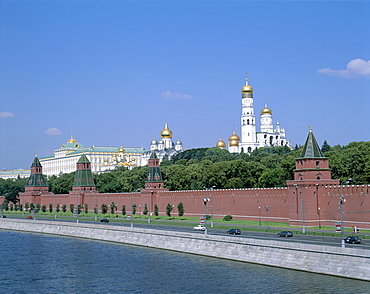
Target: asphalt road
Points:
x,y
306,239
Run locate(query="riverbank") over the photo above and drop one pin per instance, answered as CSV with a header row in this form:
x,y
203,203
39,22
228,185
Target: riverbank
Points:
x,y
344,262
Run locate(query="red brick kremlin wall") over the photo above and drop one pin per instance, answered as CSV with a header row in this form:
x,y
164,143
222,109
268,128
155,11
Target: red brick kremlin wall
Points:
x,y
320,202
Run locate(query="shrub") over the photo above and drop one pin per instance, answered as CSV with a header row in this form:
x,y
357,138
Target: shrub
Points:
x,y
228,218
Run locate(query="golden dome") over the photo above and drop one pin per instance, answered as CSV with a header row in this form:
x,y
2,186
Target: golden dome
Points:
x,y
121,150
234,137
247,88
221,144
266,110
233,143
72,140
166,132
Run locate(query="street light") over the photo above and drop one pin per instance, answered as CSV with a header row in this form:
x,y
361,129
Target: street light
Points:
x,y
150,196
318,212
205,200
259,214
342,200
267,222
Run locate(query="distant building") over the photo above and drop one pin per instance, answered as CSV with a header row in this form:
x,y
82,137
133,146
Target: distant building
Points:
x,y
268,136
14,174
102,159
165,148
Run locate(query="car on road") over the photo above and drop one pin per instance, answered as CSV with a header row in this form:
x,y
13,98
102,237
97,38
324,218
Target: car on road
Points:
x,y
3,216
29,217
353,239
199,228
285,234
234,231
104,220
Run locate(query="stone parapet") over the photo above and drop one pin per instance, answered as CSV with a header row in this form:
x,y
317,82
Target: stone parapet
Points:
x,y
343,262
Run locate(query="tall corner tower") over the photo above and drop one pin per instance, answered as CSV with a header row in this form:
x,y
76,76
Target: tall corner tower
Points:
x,y
36,181
83,178
248,119
154,179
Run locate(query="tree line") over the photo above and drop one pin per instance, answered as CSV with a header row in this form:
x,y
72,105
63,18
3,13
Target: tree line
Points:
x,y
201,168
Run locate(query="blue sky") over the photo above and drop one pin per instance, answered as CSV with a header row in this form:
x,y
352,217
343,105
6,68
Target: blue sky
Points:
x,y
113,72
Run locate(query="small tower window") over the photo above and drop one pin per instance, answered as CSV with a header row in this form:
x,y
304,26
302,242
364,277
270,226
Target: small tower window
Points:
x,y
317,164
247,121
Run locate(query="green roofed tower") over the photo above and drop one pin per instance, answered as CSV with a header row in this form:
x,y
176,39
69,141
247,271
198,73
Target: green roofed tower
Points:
x,y
312,165
154,179
37,180
84,180
311,149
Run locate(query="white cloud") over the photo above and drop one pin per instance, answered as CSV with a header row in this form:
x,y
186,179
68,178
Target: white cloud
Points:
x,y
53,132
6,114
175,96
356,67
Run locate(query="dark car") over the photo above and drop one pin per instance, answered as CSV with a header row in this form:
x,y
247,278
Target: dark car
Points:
x,y
285,234
234,231
104,220
4,216
353,239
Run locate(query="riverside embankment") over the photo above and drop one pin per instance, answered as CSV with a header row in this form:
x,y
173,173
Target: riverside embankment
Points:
x,y
344,262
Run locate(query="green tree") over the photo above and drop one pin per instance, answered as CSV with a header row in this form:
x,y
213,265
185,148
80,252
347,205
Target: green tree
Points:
x,y
86,208
64,208
72,207
169,209
50,208
62,184
26,206
180,208
104,208
43,208
156,210
123,209
145,211
112,207
325,147
57,208
95,210
134,208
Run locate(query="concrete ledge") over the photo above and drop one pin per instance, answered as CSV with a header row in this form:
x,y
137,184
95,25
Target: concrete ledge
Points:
x,y
344,262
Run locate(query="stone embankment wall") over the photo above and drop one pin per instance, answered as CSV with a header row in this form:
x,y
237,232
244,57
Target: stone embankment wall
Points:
x,y
344,262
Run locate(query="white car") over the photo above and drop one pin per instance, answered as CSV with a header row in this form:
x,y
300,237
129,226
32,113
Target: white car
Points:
x,y
199,228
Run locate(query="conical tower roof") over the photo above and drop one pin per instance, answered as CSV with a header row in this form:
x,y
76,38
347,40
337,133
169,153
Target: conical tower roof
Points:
x,y
36,162
83,159
311,149
36,179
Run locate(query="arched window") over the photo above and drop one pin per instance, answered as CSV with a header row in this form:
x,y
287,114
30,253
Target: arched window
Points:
x,y
247,121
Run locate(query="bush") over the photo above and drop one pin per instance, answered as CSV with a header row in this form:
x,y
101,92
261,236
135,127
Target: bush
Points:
x,y
208,217
228,218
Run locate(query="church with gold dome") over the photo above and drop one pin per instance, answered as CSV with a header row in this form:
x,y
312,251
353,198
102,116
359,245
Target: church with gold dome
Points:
x,y
164,148
251,139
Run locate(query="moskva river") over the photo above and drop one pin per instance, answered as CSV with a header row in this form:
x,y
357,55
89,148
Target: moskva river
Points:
x,y
37,263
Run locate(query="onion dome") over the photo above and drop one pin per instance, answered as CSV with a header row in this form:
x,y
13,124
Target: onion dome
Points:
x,y
178,142
221,144
154,142
121,150
234,140
247,88
266,110
166,132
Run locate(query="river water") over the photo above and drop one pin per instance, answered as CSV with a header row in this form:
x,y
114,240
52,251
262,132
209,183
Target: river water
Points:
x,y
38,263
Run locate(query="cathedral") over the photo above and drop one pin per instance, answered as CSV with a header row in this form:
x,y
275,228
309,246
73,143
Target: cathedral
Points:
x,y
268,136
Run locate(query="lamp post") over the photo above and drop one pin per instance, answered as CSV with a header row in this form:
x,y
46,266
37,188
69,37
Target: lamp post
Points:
x,y
342,200
318,212
259,215
150,196
267,222
131,216
205,200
